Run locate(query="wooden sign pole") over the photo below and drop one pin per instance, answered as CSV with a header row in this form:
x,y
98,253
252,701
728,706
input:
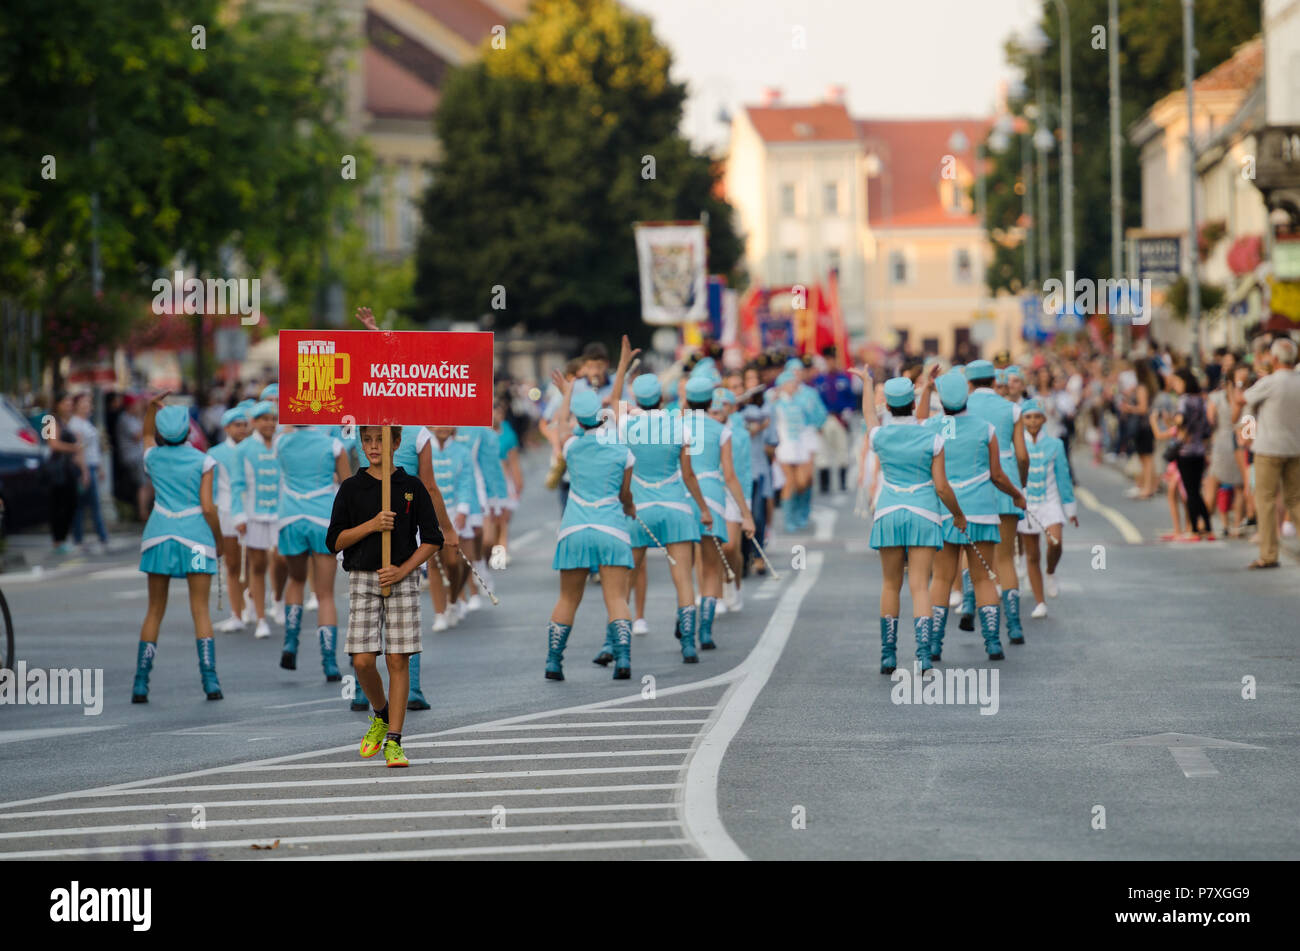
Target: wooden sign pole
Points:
x,y
386,504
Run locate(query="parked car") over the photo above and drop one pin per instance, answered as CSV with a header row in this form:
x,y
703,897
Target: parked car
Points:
x,y
23,492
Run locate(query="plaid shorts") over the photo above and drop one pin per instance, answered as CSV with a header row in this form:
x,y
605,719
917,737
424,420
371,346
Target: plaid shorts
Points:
x,y
396,616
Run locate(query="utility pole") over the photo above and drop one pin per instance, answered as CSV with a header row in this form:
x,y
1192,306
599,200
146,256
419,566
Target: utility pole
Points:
x,y
1067,147
1119,332
1193,248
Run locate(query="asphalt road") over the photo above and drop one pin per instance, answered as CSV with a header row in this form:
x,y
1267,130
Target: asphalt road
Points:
x,y
784,743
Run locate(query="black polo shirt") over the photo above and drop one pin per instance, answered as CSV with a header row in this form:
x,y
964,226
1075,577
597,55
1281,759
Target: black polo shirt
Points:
x,y
357,502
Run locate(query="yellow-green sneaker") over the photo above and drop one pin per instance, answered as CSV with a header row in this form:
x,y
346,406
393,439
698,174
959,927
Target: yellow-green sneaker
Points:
x,y
374,738
394,755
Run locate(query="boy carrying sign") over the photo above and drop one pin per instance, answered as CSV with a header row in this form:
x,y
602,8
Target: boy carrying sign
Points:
x,y
376,624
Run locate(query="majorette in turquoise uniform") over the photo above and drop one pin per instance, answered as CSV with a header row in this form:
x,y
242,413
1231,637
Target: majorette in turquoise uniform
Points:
x,y
178,540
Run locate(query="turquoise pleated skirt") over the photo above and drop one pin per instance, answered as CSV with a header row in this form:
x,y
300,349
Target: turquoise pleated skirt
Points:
x,y
590,549
303,537
717,502
669,526
975,532
176,560
902,528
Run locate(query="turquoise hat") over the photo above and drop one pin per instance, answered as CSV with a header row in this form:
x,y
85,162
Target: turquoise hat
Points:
x,y
899,391
959,368
952,391
172,424
699,389
784,377
232,416
723,397
705,363
246,405
271,392
647,390
709,373
1034,405
794,364
262,408
1014,370
1000,376
586,407
980,370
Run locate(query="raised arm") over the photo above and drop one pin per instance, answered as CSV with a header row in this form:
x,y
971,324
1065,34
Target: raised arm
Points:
x,y
625,357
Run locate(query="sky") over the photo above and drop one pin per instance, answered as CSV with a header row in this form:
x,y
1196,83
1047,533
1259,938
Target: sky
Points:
x,y
895,58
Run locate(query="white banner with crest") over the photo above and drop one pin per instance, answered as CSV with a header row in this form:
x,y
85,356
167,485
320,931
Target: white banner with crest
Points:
x,y
674,273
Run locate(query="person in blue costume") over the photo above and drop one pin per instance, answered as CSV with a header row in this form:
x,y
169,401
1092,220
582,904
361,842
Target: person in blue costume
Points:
x,y
453,475
972,462
1050,493
256,524
711,458
279,573
791,419
815,414
594,532
229,490
312,466
179,541
1014,456
509,447
724,411
908,525
663,487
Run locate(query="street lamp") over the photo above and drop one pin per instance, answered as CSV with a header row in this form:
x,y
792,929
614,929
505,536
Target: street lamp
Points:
x,y
1067,145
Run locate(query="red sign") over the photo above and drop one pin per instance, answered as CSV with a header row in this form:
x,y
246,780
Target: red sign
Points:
x,y
382,378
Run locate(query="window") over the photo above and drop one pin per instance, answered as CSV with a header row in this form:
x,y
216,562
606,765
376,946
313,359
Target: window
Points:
x,y
963,271
787,200
897,267
789,267
930,346
831,198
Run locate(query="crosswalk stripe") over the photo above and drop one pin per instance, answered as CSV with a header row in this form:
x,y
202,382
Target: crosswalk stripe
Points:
x,y
578,754
290,841
330,800
583,726
512,740
342,817
489,850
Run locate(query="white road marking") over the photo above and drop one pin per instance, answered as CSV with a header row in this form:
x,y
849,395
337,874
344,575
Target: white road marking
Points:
x,y
1189,751
340,817
824,524
45,733
703,821
526,539
488,850
302,703
512,740
131,594
510,757
301,840
580,726
115,574
329,800
1126,528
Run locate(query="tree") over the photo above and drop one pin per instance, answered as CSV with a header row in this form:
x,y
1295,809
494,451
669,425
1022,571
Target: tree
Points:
x,y
551,149
206,137
1151,67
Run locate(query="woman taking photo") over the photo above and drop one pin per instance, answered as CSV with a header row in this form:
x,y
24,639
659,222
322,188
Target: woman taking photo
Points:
x,y
908,525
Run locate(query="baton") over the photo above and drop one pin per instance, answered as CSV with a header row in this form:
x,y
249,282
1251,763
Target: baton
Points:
x,y
243,564
658,544
991,573
442,571
1041,527
731,575
477,577
221,583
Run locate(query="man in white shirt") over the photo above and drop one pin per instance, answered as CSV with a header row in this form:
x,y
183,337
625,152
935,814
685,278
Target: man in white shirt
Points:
x,y
1274,405
88,491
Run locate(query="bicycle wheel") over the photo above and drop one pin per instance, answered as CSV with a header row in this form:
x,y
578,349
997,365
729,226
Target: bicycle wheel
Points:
x,y
7,639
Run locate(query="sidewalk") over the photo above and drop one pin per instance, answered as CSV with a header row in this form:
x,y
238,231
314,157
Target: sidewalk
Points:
x,y
1290,546
30,556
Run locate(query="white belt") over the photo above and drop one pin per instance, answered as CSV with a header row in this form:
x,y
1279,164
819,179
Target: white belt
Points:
x,y
607,500
710,474
1006,453
303,496
909,488
183,513
965,483
656,485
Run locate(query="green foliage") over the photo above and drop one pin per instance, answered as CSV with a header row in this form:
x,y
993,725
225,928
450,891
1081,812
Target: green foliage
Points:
x,y
1151,66
541,177
224,157
1212,297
